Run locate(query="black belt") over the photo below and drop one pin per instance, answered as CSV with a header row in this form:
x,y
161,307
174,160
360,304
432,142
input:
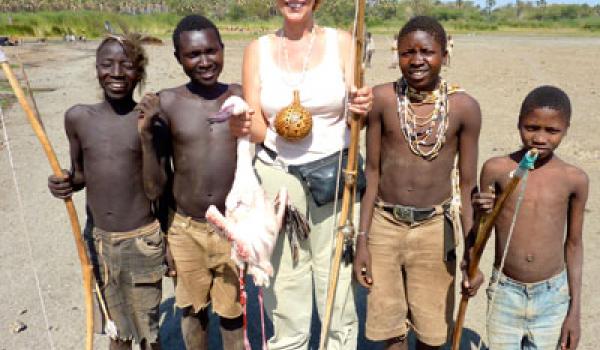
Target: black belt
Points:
x,y
412,214
290,169
272,154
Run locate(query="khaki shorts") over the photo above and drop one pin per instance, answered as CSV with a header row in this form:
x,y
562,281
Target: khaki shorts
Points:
x,y
205,272
129,267
412,284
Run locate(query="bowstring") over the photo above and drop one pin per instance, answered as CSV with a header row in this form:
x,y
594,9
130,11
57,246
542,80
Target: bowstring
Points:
x,y
511,230
334,223
26,229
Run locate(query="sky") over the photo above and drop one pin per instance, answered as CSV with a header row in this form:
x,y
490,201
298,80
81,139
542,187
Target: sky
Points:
x,y
504,2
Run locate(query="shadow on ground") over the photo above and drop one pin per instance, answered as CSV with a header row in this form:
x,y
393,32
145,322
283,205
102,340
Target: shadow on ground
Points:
x,y
171,339
470,341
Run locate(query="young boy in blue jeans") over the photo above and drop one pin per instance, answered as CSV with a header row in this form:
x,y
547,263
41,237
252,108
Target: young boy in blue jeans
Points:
x,y
534,302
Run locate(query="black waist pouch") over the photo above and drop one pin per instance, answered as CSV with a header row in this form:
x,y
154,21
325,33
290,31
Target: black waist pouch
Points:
x,y
320,177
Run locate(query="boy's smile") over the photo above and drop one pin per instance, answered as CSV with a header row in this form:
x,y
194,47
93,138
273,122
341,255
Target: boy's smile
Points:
x,y
543,128
421,59
201,55
117,73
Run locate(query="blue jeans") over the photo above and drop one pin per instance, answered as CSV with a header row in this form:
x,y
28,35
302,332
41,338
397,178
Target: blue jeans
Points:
x,y
526,315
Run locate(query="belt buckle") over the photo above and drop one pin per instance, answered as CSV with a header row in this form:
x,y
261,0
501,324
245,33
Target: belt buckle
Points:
x,y
404,214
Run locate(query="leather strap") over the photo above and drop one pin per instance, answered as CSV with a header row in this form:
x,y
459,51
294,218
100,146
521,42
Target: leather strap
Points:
x,y
411,214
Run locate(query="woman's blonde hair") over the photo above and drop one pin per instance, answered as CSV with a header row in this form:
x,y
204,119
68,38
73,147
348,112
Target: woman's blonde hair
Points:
x,y
317,4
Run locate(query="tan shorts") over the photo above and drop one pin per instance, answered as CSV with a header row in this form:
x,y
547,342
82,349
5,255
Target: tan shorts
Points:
x,y
129,268
205,271
412,284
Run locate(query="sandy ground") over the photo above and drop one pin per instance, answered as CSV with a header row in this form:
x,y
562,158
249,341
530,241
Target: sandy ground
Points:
x,y
497,70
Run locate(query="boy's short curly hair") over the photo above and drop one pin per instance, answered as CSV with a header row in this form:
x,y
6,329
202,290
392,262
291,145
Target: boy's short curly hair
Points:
x,y
426,24
132,45
547,96
193,23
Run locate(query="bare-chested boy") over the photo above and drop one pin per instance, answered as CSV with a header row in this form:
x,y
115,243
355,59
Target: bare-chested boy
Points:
x,y
537,300
106,158
405,247
204,160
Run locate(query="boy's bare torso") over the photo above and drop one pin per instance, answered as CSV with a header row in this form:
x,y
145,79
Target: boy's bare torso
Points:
x,y
204,155
406,178
111,157
536,250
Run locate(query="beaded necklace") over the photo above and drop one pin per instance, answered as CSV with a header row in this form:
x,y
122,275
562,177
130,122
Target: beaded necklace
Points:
x,y
426,134
283,48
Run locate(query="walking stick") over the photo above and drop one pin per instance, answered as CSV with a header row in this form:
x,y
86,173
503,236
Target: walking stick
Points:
x,y
345,233
484,230
86,267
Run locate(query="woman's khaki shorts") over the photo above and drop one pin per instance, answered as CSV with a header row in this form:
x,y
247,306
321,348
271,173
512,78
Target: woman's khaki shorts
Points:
x,y
205,272
412,284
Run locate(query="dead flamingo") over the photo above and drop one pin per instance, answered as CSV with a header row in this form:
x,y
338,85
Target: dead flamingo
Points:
x,y
251,220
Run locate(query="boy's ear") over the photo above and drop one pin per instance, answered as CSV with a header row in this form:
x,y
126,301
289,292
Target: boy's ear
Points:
x,y
445,58
176,54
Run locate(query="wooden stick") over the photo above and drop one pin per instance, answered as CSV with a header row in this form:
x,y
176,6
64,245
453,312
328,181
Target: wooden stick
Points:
x,y
86,267
345,218
484,230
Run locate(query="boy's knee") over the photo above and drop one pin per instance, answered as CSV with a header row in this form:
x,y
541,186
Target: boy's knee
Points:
x,y
232,333
397,343
194,328
191,320
423,346
231,324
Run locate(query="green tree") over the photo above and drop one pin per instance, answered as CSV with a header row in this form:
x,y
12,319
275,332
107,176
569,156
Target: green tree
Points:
x,y
489,4
336,12
519,6
420,7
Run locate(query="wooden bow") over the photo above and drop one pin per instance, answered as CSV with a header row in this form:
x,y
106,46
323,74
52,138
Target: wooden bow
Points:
x,y
86,267
345,232
484,230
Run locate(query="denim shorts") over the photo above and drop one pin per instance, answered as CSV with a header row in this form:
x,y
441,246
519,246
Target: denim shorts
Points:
x,y
527,315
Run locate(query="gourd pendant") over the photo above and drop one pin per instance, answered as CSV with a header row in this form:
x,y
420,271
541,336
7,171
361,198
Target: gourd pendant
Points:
x,y
293,122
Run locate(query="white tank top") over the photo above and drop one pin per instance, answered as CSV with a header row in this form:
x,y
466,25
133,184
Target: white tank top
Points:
x,y
322,92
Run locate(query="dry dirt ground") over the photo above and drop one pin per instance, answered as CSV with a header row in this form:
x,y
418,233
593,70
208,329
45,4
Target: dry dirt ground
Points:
x,y
497,70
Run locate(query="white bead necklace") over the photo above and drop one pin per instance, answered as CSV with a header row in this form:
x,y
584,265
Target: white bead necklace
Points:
x,y
283,47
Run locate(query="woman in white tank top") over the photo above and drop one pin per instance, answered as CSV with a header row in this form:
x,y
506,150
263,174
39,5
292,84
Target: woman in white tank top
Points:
x,y
316,62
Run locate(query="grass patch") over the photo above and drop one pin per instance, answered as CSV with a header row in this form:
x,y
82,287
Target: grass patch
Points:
x,y
473,26
91,23
592,25
87,23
